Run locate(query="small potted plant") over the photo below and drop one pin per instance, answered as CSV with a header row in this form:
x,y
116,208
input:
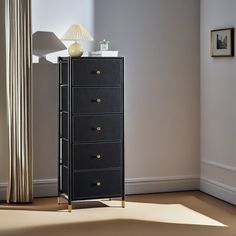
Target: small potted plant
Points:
x,y
104,45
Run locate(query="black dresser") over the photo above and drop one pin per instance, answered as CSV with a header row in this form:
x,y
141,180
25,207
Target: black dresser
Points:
x,y
91,128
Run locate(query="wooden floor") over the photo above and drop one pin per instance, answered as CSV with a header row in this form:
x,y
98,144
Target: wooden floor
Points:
x,y
178,197
149,214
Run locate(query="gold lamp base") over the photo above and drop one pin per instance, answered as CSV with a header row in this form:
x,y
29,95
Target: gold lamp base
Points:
x,y
75,50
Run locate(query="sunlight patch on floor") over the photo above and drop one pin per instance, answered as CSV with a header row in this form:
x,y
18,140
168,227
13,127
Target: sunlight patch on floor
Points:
x,y
166,213
161,213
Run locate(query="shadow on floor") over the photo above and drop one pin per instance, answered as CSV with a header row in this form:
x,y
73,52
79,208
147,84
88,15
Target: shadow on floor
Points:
x,y
50,204
120,227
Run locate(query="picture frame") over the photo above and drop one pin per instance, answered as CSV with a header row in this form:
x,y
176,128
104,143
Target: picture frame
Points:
x,y
222,42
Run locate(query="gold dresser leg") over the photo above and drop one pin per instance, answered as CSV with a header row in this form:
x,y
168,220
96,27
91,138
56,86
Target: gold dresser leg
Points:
x,y
123,203
58,201
69,208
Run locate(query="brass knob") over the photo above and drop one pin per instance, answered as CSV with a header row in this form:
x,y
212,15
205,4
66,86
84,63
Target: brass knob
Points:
x,y
98,100
98,128
98,184
98,156
98,72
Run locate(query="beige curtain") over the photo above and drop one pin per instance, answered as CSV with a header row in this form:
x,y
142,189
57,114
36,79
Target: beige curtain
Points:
x,y
19,76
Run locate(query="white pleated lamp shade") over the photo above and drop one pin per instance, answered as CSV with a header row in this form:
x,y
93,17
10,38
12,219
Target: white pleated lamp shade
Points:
x,y
77,32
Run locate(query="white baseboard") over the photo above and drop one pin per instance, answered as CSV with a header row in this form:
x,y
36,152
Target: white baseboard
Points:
x,y
48,187
45,188
161,184
219,190
218,180
42,188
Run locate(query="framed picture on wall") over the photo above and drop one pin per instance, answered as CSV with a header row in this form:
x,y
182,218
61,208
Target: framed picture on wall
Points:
x,y
222,42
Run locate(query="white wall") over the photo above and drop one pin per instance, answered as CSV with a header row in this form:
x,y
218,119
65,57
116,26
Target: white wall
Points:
x,y
218,110
160,42
3,115
58,15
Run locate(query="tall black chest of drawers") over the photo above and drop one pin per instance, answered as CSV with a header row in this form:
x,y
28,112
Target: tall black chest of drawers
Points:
x,y
91,128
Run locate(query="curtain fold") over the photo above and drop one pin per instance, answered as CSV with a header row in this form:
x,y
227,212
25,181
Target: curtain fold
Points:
x,y
19,79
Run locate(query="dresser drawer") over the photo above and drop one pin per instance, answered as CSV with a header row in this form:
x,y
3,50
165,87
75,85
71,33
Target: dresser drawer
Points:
x,y
97,128
94,72
97,184
97,100
92,156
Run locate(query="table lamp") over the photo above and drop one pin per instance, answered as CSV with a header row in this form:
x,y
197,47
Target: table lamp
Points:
x,y
44,43
76,33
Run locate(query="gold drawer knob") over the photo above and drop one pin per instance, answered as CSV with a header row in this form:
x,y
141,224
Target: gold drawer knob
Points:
x,y
98,184
98,72
98,128
98,100
98,156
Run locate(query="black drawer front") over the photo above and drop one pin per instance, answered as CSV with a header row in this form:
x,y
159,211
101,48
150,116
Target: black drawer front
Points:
x,y
93,72
97,128
97,184
92,156
96,100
